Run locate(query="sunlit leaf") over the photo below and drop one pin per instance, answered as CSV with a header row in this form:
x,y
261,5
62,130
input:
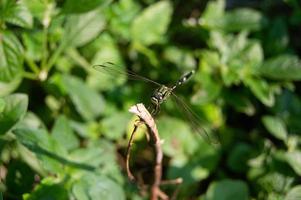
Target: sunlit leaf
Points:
x,y
33,45
15,107
294,193
177,135
109,125
108,52
274,181
31,120
92,186
182,58
15,13
294,159
87,101
48,190
11,62
121,15
261,90
275,126
236,20
20,15
81,29
51,154
214,11
150,26
63,133
38,7
2,104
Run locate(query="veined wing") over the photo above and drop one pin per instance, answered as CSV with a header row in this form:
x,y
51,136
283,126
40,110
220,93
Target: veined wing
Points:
x,y
195,121
115,70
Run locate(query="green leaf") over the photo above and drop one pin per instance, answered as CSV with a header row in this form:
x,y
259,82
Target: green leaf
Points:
x,y
51,154
91,155
121,15
48,190
294,193
277,38
19,178
33,42
214,11
19,15
82,6
15,13
261,90
236,20
228,190
210,88
110,129
180,57
92,186
1,196
240,101
177,136
294,160
11,62
107,51
275,126
274,181
2,104
14,110
239,157
38,7
81,29
195,167
31,120
283,67
151,25
87,101
63,134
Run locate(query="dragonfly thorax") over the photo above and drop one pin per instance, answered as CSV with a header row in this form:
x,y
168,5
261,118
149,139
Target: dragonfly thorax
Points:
x,y
161,94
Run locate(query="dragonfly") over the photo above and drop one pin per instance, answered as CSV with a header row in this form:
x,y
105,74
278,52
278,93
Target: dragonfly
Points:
x,y
161,94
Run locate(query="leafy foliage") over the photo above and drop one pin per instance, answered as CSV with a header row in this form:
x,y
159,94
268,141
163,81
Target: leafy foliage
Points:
x,y
64,126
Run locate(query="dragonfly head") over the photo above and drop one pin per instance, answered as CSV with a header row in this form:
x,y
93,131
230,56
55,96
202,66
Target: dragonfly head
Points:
x,y
160,94
157,98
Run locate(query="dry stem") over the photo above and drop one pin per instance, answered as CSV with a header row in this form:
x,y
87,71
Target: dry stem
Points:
x,y
146,118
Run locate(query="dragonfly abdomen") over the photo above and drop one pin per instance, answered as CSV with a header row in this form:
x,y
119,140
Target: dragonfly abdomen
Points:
x,y
183,79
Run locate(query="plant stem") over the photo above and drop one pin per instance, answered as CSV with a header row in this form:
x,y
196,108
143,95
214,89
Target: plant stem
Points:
x,y
32,65
29,75
79,59
55,55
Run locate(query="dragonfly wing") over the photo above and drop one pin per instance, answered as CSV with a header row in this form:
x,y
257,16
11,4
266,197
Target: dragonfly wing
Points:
x,y
195,121
115,70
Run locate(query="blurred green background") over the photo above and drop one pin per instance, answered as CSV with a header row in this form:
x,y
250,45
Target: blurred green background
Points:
x,y
64,126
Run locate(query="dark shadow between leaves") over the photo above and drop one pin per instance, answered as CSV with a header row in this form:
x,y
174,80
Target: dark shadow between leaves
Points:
x,y
40,151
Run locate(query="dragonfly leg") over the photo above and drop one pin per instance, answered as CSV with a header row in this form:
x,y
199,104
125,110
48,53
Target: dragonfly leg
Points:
x,y
155,110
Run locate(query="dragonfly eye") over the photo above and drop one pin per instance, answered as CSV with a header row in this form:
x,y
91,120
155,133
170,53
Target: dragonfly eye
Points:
x,y
154,99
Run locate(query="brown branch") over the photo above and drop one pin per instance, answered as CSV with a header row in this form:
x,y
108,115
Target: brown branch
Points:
x,y
128,150
146,118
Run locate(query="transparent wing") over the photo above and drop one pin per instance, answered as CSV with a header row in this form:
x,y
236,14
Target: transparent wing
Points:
x,y
115,70
195,121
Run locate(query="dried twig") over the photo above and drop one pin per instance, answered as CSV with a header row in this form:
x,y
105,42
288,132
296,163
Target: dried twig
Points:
x,y
146,118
